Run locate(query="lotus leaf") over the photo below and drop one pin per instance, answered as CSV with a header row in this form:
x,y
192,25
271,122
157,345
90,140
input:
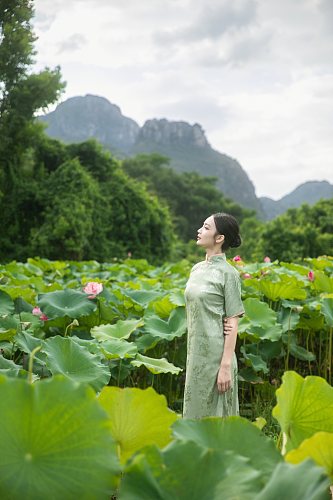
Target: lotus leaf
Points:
x,y
287,287
137,417
234,434
154,365
257,363
186,471
177,297
11,369
304,407
55,442
259,320
67,302
163,307
118,348
143,297
327,310
322,282
6,304
319,447
297,482
121,330
168,330
288,319
75,362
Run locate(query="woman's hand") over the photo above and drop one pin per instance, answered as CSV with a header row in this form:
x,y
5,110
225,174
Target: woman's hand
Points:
x,y
227,326
224,378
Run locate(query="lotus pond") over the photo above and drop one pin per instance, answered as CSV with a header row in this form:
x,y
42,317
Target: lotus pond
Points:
x,y
92,374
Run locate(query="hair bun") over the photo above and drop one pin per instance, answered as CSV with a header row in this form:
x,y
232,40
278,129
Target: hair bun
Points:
x,y
236,242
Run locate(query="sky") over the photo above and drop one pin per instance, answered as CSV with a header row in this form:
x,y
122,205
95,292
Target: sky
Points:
x,y
256,74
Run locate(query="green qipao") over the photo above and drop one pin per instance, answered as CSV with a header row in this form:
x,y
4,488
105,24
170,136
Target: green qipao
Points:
x,y
212,293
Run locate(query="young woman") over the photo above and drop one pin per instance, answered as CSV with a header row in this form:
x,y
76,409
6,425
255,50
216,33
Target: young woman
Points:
x,y
213,306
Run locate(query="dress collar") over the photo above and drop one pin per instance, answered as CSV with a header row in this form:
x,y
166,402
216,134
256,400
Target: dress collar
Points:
x,y
218,257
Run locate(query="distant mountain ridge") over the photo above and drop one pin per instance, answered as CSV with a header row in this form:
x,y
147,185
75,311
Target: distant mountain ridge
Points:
x,y
82,117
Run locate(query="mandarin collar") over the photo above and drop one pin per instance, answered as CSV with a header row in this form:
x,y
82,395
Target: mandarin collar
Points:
x,y
214,258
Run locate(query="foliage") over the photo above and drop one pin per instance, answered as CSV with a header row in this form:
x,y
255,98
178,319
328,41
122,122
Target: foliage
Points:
x,y
190,196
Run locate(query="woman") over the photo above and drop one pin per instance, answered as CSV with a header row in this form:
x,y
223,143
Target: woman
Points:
x,y
213,306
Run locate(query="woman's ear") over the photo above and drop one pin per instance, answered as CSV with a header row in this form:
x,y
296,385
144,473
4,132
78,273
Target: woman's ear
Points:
x,y
219,238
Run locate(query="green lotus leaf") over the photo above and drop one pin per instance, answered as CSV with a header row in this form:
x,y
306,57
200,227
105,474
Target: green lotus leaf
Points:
x,y
11,369
67,302
121,330
75,362
256,361
319,448
143,297
156,366
118,348
304,407
137,417
259,320
322,282
163,307
234,434
8,334
55,442
26,293
92,345
146,342
249,375
26,342
287,287
6,304
305,481
327,310
168,330
311,319
300,352
177,297
288,319
187,471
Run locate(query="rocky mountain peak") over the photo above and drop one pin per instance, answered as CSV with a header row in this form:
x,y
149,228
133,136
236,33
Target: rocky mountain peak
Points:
x,y
173,133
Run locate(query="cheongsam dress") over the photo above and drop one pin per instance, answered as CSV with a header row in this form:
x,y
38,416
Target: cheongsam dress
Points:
x,y
212,293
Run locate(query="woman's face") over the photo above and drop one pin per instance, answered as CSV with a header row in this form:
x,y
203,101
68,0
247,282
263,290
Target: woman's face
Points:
x,y
207,233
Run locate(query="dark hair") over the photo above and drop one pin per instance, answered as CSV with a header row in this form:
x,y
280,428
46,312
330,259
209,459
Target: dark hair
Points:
x,y
227,225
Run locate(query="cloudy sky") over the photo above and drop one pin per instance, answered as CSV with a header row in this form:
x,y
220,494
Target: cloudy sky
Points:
x,y
256,74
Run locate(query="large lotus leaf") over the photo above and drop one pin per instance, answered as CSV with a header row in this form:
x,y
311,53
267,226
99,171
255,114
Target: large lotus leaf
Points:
x,y
287,287
26,342
143,297
21,291
156,366
254,360
234,434
311,319
249,375
118,348
67,302
55,442
121,330
168,330
146,342
186,471
288,319
304,407
297,482
177,297
327,310
259,320
93,346
11,369
322,282
7,334
137,417
163,307
319,447
6,304
75,362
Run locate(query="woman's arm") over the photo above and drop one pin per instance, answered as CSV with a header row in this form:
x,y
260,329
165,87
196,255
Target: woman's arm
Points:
x,y
224,376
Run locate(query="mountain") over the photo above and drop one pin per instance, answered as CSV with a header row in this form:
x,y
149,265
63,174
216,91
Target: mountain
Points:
x,y
309,192
80,118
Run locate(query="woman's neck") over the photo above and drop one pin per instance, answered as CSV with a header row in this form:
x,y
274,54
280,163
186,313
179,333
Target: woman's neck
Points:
x,y
213,251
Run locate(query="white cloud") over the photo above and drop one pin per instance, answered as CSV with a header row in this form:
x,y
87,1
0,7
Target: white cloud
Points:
x,y
256,74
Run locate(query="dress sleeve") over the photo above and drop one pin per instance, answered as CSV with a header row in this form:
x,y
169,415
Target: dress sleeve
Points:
x,y
233,305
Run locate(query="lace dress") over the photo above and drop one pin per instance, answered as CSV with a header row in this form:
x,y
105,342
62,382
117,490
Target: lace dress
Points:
x,y
213,292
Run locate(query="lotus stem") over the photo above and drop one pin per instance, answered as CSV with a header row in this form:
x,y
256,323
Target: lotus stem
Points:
x,y
31,362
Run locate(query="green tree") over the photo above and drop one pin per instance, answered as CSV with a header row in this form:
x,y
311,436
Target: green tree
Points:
x,y
300,232
190,196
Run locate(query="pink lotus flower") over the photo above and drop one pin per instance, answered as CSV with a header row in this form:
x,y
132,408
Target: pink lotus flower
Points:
x,y
237,258
37,312
267,259
246,276
311,276
92,289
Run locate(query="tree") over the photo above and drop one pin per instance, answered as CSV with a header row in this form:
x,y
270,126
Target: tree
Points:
x,y
190,196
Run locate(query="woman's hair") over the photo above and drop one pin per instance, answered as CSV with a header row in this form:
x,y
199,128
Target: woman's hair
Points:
x,y
227,225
